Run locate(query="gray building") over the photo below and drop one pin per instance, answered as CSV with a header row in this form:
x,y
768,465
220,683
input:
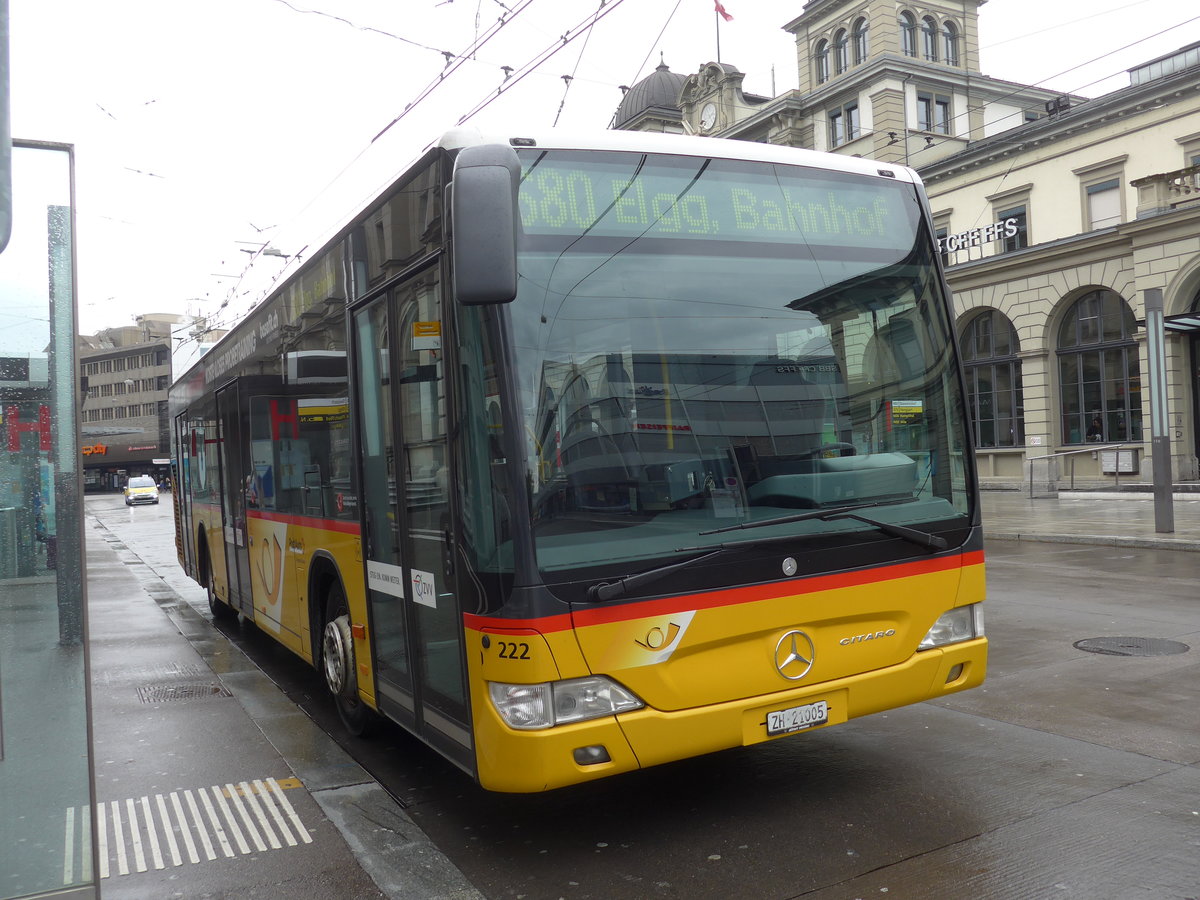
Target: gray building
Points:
x,y
124,376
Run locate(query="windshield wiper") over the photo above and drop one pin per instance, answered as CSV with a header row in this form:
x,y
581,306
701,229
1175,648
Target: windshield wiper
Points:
x,y
611,590
913,535
826,513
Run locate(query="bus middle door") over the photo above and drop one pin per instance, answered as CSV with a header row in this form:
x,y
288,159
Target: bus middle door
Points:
x,y
233,499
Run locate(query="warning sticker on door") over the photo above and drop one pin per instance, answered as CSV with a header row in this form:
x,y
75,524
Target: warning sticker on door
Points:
x,y
386,578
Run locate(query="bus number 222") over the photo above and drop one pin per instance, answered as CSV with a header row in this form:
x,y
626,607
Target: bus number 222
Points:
x,y
513,651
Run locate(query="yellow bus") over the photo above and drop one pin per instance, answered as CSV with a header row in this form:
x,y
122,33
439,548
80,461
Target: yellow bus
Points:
x,y
577,456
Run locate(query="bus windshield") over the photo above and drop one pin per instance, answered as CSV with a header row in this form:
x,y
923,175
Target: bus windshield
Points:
x,y
705,343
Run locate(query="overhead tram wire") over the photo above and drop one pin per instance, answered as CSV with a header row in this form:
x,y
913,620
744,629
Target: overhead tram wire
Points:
x,y
451,67
1124,8
468,53
1016,159
527,69
513,80
657,40
367,28
1102,56
570,79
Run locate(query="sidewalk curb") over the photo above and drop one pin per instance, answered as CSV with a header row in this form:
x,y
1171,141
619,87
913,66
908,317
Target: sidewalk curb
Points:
x,y
356,804
1106,540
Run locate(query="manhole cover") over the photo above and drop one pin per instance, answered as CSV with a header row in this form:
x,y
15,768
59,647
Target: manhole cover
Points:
x,y
1131,646
166,693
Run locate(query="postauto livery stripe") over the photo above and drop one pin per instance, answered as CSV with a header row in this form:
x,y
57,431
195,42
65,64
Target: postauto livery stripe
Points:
x,y
340,525
733,597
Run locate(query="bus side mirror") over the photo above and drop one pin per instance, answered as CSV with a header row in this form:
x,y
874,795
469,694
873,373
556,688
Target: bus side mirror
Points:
x,y
483,222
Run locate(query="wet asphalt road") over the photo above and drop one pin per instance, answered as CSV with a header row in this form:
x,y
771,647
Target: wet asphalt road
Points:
x,y
1069,774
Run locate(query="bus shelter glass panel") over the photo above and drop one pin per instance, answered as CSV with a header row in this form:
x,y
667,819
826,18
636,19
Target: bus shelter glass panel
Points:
x,y
46,794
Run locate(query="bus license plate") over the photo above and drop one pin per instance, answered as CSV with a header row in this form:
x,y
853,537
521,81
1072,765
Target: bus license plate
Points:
x,y
797,718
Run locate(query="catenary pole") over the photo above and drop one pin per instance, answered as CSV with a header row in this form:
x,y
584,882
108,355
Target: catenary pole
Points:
x,y
1160,441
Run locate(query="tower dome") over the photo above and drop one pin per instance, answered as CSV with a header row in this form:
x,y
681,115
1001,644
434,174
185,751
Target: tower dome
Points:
x,y
658,91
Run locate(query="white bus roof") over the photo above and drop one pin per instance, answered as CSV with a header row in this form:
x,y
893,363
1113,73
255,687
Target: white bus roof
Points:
x,y
681,145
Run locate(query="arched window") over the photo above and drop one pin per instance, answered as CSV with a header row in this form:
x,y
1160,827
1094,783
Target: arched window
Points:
x,y
841,52
908,34
950,43
1099,379
929,38
994,398
860,41
821,59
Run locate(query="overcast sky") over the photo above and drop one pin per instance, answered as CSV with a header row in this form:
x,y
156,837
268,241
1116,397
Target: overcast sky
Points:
x,y
204,130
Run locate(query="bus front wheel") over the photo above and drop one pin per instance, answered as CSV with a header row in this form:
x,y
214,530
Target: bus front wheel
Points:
x,y
221,611
338,664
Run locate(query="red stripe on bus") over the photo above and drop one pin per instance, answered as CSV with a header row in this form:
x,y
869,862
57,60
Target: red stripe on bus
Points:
x,y
732,597
545,625
306,521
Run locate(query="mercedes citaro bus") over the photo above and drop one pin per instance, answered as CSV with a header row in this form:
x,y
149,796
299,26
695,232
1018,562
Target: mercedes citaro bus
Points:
x,y
576,456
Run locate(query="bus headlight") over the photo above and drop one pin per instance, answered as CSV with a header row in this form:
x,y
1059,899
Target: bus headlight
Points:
x,y
963,623
531,706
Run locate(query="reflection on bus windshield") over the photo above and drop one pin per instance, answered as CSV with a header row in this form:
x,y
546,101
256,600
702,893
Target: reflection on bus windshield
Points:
x,y
796,409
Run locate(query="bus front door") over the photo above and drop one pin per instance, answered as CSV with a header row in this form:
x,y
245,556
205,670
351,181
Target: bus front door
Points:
x,y
416,624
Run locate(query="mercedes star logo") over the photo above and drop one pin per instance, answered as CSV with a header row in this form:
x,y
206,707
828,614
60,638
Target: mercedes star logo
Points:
x,y
794,655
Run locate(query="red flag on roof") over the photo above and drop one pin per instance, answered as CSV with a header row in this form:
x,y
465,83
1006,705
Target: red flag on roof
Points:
x,y
721,11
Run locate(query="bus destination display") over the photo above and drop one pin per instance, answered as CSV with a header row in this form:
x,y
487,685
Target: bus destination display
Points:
x,y
688,200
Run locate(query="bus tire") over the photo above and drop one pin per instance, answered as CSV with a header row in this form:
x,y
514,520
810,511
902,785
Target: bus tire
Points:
x,y
221,611
340,668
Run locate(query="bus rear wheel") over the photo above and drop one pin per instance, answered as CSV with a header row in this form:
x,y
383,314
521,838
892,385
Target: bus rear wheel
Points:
x,y
339,666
